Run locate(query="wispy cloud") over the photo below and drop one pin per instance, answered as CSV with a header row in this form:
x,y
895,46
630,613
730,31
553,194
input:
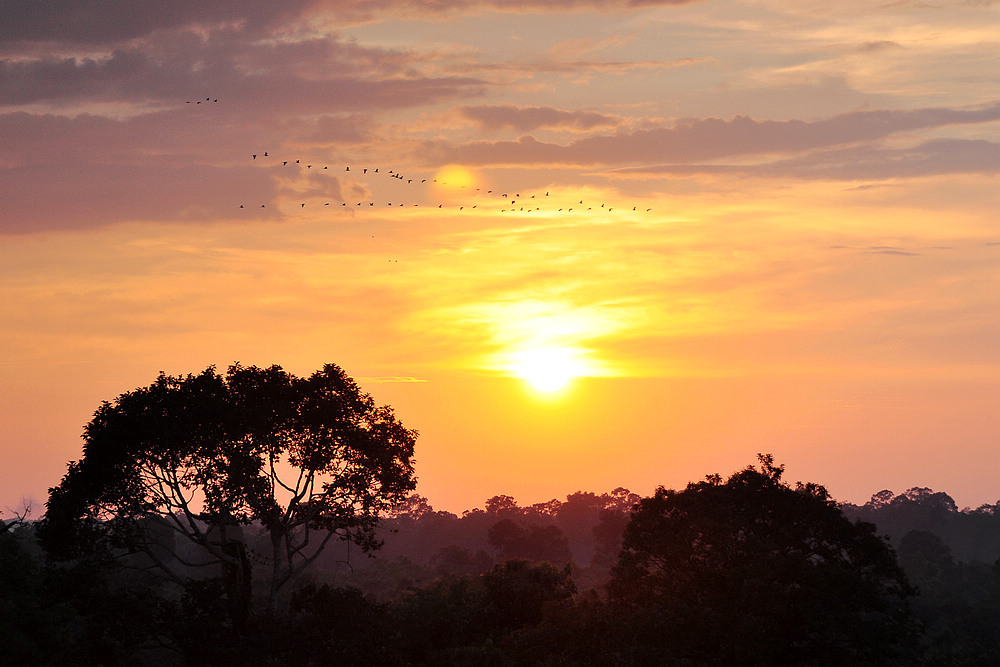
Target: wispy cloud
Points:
x,y
707,139
508,116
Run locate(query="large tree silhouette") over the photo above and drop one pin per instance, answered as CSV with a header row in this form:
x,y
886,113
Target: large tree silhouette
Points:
x,y
753,571
189,461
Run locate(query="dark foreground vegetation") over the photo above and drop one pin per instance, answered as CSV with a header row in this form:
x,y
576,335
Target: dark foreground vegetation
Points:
x,y
257,518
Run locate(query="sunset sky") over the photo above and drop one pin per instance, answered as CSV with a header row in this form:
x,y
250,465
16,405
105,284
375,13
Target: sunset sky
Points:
x,y
729,227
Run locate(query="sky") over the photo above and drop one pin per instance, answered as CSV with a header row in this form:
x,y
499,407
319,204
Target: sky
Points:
x,y
577,245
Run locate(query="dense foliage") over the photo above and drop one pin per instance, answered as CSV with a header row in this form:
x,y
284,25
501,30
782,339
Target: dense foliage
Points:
x,y
748,570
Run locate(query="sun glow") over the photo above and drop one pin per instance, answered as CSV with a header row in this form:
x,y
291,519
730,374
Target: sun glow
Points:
x,y
453,178
547,369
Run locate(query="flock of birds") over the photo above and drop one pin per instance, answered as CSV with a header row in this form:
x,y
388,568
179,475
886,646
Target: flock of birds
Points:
x,y
508,201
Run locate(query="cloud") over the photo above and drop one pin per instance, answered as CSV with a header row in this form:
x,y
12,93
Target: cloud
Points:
x,y
530,118
73,197
863,163
696,140
108,21
323,74
105,21
583,68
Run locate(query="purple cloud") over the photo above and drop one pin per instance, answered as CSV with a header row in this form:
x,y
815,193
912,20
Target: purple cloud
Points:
x,y
115,21
109,21
319,74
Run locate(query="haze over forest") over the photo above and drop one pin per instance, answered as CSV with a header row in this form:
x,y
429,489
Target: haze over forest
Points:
x,y
575,245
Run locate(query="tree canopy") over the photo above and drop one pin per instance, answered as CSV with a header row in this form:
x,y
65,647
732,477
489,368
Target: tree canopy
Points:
x,y
751,570
194,459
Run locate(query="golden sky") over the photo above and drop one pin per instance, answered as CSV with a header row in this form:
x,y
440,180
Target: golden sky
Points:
x,y
577,245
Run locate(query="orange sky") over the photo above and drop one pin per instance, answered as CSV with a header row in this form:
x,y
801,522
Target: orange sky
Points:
x,y
783,232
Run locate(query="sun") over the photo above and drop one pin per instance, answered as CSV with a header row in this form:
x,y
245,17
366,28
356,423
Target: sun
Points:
x,y
455,177
548,369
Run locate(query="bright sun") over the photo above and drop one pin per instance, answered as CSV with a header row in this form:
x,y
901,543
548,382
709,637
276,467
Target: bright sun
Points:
x,y
455,177
547,370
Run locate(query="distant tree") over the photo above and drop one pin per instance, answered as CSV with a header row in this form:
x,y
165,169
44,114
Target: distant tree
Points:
x,y
501,504
534,543
456,561
200,457
752,571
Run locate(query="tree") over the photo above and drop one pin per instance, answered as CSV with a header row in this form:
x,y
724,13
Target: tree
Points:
x,y
753,571
534,543
198,458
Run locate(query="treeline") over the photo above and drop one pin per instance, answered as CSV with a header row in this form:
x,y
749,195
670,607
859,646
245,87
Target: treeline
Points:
x,y
748,570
